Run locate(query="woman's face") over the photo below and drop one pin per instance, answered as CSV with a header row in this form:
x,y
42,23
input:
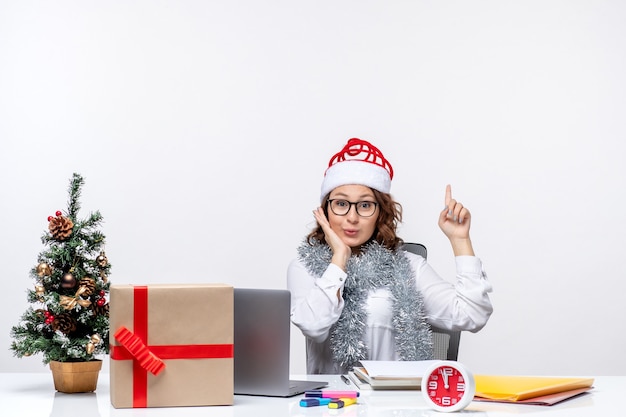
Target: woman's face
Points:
x,y
353,229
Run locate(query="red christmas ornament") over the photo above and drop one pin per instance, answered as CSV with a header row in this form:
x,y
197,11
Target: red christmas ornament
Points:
x,y
49,317
58,213
50,218
101,302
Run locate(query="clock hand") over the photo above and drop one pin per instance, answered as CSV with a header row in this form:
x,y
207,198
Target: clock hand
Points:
x,y
444,374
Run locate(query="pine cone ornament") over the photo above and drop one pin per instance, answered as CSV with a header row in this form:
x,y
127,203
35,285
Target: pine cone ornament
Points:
x,y
89,284
64,323
60,227
100,310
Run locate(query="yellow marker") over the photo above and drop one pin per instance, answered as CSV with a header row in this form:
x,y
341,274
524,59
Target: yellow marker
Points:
x,y
341,402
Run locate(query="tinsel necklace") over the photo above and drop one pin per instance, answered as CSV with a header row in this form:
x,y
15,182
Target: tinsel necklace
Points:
x,y
375,267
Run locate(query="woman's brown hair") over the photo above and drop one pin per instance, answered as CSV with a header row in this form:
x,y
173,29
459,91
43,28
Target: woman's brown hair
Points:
x,y
389,215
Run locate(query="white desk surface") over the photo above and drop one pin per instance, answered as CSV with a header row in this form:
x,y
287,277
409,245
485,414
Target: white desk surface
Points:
x,y
33,394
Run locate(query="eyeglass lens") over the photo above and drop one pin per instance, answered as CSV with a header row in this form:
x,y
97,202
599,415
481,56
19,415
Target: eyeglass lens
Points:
x,y
342,207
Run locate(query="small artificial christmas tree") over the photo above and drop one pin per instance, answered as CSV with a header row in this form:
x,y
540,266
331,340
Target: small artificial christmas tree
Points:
x,y
71,321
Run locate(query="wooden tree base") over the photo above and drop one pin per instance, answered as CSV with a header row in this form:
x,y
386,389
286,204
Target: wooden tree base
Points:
x,y
70,377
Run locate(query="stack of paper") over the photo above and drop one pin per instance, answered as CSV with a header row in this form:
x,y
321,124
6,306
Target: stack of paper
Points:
x,y
390,374
536,390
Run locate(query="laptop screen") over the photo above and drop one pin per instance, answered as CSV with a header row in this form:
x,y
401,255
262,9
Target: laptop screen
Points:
x,y
262,343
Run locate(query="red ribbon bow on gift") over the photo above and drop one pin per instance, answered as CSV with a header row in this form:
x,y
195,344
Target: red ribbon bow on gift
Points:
x,y
147,360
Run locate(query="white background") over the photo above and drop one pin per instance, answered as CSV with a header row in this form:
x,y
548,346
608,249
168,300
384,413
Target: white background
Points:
x,y
203,129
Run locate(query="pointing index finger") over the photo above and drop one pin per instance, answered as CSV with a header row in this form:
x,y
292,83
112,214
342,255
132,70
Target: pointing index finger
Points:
x,y
448,194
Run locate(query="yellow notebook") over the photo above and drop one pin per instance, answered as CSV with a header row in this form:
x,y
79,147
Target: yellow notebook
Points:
x,y
517,388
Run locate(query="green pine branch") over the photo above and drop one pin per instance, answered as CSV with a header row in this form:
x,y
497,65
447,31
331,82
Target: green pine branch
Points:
x,y
75,189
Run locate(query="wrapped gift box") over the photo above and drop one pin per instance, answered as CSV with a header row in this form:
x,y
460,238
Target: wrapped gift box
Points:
x,y
171,345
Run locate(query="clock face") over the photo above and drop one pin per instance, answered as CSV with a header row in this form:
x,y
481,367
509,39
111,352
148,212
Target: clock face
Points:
x,y
448,386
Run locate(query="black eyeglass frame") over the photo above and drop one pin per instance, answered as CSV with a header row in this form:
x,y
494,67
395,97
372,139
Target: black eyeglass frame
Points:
x,y
350,204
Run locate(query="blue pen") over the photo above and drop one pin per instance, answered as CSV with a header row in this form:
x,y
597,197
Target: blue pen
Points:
x,y
314,402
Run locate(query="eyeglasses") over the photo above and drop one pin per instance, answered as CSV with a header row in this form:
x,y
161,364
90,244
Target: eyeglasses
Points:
x,y
363,208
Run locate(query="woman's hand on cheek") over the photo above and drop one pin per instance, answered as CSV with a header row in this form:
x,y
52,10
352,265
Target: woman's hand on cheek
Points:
x,y
341,251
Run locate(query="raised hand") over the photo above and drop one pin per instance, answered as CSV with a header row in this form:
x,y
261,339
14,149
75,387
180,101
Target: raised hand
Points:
x,y
454,221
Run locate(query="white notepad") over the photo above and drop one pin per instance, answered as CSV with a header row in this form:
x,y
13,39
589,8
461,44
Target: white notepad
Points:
x,y
396,369
390,374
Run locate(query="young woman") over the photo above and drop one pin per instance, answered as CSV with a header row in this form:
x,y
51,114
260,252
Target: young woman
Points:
x,y
356,294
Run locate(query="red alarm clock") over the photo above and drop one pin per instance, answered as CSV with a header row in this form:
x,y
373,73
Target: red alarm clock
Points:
x,y
448,386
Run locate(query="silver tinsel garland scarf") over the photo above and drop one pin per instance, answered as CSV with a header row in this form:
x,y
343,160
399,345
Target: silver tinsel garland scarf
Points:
x,y
375,267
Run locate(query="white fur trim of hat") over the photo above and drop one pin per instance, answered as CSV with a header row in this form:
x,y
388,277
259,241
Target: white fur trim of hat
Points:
x,y
358,163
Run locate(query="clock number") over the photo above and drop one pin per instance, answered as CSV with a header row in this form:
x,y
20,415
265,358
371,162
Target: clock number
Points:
x,y
432,385
460,386
446,401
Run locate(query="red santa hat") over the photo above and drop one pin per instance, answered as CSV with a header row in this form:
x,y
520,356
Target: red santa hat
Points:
x,y
359,163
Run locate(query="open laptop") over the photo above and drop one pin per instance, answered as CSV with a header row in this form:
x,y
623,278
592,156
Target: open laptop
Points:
x,y
262,341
